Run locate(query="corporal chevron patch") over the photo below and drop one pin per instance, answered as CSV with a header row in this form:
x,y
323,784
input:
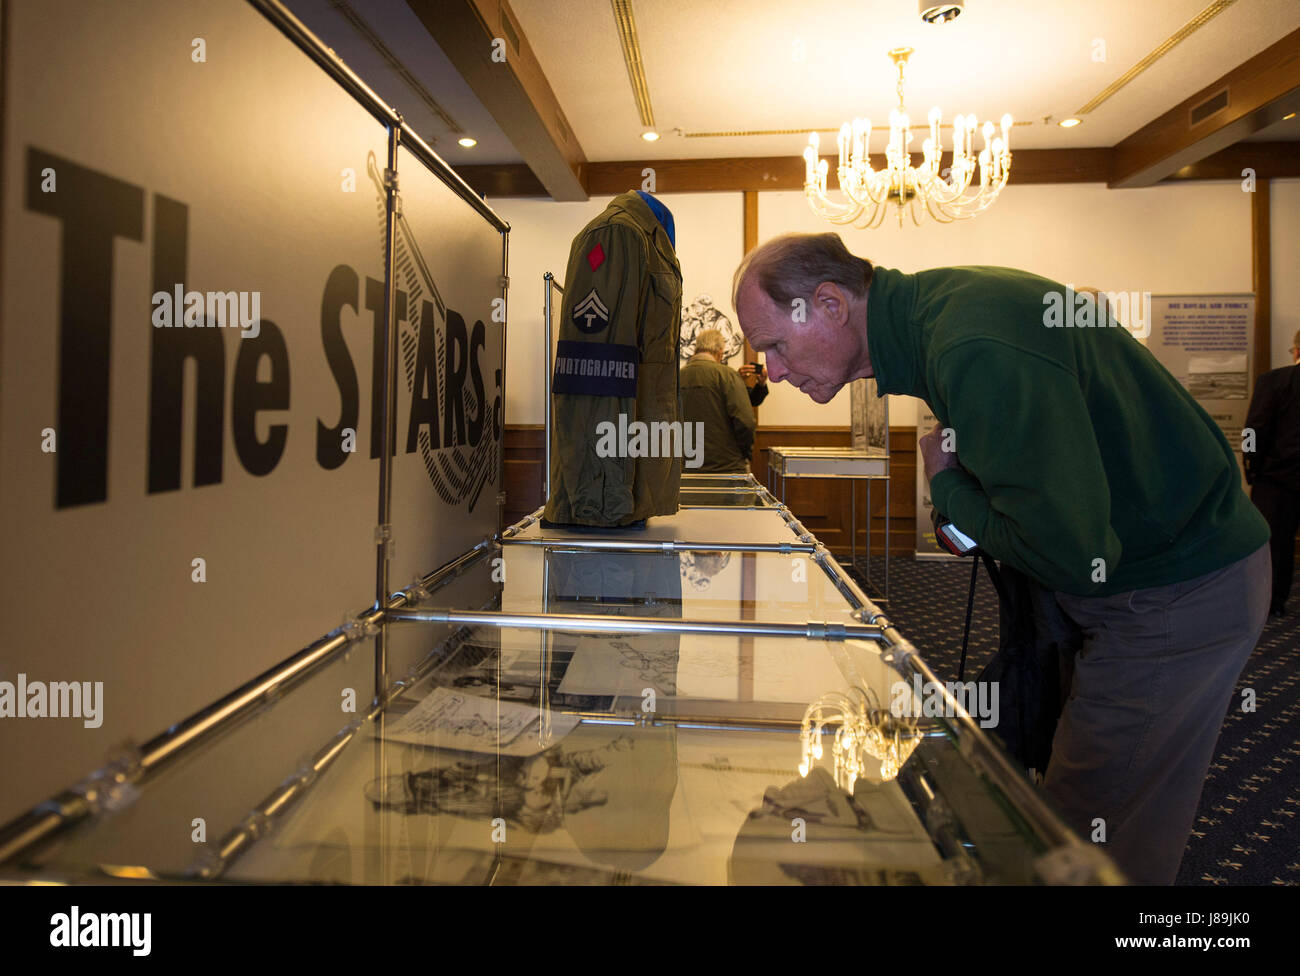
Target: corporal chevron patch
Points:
x,y
590,315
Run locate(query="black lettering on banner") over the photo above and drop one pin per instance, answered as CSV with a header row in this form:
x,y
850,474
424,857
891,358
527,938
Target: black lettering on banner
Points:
x,y
477,341
457,356
375,305
94,209
341,291
424,405
168,350
250,396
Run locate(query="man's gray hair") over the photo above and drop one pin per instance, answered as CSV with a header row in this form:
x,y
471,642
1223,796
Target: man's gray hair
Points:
x,y
1295,341
710,340
793,265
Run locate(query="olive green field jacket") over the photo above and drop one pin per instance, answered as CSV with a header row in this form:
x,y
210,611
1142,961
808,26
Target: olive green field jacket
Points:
x,y
615,366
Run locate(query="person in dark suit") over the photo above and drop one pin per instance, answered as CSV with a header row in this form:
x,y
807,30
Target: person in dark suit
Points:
x,y
1273,467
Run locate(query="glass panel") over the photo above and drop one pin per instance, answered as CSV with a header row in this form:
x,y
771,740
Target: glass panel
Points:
x,y
696,526
696,584
716,480
526,756
530,754
721,498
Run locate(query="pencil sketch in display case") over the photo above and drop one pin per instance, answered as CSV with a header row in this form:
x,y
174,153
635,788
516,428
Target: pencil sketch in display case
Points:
x,y
703,314
870,417
605,803
470,778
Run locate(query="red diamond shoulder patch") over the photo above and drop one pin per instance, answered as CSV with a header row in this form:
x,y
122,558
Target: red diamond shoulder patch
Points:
x,y
596,257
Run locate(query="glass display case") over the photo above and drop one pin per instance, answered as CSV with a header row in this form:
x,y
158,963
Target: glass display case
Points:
x,y
673,705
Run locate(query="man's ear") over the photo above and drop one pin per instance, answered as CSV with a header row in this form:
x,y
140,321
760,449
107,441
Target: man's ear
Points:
x,y
830,300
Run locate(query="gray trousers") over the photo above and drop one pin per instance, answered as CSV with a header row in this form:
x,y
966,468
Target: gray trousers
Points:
x,y
1150,689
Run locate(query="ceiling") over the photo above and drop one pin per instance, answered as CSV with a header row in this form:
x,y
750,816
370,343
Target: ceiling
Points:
x,y
744,65
722,65
408,71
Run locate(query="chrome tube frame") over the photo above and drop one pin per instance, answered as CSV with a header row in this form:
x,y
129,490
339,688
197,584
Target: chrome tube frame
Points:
x,y
388,420
25,832
548,366
75,804
611,623
619,545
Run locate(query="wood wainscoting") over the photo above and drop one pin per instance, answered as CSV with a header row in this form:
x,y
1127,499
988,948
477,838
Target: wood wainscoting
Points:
x,y
822,505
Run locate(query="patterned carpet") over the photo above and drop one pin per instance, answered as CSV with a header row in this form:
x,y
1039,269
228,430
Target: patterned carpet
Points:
x,y
1247,827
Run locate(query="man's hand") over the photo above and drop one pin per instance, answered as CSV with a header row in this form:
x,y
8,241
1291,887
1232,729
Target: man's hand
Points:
x,y
750,375
933,455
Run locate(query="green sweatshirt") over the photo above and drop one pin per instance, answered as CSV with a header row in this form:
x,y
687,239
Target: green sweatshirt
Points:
x,y
1084,463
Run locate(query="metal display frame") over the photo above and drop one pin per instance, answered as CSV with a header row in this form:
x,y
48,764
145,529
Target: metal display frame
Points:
x,y
550,286
134,766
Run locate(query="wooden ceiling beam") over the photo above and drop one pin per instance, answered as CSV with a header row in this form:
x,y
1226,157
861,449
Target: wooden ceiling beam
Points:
x,y
754,173
1253,95
747,174
483,40
1268,160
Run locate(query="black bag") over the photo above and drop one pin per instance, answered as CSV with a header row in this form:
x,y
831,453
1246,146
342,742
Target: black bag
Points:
x,y
1033,667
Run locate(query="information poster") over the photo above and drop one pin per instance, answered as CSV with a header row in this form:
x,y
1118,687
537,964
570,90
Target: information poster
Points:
x,y
870,417
1204,340
926,545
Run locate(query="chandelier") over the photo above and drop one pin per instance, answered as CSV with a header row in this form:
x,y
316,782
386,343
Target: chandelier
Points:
x,y
945,195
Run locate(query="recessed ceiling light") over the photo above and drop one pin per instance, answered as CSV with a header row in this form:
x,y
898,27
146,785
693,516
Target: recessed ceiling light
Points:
x,y
941,13
468,143
1290,116
1069,123
650,136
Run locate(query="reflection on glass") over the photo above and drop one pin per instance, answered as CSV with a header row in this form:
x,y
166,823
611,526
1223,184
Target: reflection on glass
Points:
x,y
865,729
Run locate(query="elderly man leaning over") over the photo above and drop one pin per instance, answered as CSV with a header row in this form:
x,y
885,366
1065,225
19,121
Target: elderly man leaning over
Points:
x,y
1075,457
713,394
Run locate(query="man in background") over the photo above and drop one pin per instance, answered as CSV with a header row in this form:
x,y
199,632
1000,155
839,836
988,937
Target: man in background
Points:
x,y
1273,468
714,394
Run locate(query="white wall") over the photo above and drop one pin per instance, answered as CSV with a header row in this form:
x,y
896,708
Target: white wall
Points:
x,y
710,243
1192,237
1284,227
1189,238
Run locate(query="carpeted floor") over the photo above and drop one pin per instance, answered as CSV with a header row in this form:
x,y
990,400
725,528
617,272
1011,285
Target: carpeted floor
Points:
x,y
1247,828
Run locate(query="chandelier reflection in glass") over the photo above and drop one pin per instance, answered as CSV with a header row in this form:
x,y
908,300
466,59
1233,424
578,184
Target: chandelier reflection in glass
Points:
x,y
944,194
865,729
